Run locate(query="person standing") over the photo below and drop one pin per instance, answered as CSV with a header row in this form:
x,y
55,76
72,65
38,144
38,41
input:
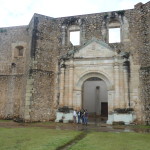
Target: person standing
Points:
x,y
83,116
86,117
79,116
75,116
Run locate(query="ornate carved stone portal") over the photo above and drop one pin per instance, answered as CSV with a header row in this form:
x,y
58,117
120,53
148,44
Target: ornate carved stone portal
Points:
x,y
95,59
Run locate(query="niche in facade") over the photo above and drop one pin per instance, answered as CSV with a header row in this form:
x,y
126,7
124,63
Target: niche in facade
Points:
x,y
18,51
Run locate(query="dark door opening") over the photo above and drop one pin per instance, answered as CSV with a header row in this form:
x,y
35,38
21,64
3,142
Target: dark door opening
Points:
x,y
104,109
95,98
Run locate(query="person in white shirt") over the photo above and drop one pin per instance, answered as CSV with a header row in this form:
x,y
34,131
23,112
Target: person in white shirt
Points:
x,y
75,116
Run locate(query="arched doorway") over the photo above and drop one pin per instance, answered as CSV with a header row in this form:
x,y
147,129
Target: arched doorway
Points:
x,y
95,97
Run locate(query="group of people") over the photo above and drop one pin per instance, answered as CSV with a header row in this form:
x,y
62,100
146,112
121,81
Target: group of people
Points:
x,y
80,116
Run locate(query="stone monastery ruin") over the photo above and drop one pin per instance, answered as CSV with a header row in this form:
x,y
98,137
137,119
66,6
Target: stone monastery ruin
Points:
x,y
41,70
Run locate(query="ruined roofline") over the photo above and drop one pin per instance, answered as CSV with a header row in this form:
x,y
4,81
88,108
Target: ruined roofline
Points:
x,y
36,14
125,10
13,27
146,3
104,11
48,17
90,14
95,13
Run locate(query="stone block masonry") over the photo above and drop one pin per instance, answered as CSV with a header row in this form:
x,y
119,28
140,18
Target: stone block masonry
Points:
x,y
33,58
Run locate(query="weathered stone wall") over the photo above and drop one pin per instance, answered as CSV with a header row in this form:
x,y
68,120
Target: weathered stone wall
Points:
x,y
11,100
145,93
52,36
143,49
41,84
30,83
12,71
47,47
146,63
42,104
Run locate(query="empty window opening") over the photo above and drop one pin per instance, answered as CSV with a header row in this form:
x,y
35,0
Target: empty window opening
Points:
x,y
75,37
114,35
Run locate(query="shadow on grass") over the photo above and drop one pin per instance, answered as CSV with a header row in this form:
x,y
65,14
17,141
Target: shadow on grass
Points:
x,y
73,141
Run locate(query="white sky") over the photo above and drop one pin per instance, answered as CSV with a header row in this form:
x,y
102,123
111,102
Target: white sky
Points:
x,y
20,12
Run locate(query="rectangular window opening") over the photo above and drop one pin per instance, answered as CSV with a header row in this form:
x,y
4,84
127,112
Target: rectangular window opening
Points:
x,y
114,35
75,37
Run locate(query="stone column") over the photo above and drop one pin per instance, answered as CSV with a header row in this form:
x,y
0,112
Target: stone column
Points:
x,y
126,85
77,100
116,78
61,101
110,101
71,81
66,86
122,88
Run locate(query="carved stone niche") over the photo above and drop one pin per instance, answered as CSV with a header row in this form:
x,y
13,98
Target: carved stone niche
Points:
x,y
18,49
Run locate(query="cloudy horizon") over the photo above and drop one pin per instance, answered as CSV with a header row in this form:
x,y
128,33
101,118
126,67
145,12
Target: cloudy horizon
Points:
x,y
16,12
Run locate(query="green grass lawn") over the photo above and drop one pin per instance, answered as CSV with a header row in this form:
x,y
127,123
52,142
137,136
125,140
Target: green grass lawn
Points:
x,y
113,141
41,138
5,120
34,138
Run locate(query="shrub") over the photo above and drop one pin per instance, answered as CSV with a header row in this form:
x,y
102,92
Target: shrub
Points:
x,y
123,110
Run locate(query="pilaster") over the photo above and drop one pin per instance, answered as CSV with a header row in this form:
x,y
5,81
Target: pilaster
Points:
x,y
126,85
61,101
71,84
116,78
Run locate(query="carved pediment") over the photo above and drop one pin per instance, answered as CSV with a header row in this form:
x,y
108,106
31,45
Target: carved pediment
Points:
x,y
92,49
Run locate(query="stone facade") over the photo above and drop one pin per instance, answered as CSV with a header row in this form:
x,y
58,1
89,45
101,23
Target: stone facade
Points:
x,y
41,70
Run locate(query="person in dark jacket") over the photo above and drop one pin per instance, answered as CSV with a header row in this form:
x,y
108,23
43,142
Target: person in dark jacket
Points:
x,y
86,117
79,116
83,116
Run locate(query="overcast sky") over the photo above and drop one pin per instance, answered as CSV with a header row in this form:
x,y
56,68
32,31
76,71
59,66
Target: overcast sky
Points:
x,y
20,12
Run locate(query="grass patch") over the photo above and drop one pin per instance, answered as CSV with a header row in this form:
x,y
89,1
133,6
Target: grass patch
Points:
x,y
131,126
113,141
140,126
34,138
45,123
5,120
